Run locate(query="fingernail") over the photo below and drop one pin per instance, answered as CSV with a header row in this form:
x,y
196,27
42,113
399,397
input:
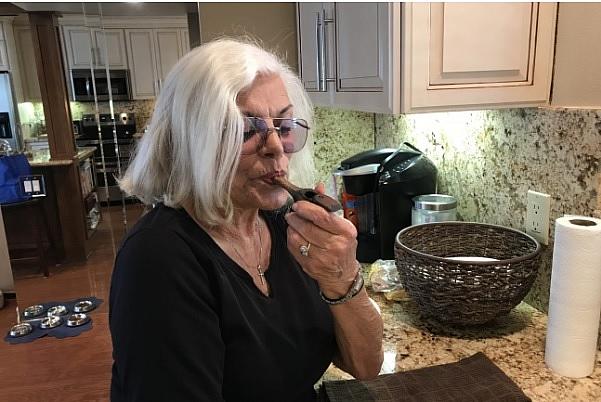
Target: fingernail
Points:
x,y
293,207
287,215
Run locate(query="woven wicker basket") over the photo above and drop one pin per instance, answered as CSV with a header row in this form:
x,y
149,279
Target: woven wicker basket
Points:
x,y
460,292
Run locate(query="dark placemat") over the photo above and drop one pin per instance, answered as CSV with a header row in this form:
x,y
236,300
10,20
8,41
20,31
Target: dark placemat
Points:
x,y
60,332
475,378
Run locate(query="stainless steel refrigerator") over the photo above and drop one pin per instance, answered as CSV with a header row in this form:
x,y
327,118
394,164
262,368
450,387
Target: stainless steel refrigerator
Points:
x,y
9,118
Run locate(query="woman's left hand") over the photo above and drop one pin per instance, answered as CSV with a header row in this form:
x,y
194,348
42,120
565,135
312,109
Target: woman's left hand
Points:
x,y
332,243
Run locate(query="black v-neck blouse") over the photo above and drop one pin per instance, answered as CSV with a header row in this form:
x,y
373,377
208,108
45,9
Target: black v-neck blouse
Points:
x,y
188,323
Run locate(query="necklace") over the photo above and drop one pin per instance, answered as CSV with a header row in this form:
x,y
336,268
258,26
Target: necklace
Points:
x,y
259,268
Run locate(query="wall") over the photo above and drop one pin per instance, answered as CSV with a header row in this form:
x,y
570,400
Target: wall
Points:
x,y
490,159
274,24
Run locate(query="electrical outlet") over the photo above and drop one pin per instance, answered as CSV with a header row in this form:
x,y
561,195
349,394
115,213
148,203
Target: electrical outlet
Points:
x,y
537,216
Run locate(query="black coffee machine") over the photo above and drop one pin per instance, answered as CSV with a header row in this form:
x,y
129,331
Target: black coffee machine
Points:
x,y
378,187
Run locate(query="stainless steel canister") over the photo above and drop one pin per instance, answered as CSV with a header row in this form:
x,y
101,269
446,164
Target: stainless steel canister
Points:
x,y
433,208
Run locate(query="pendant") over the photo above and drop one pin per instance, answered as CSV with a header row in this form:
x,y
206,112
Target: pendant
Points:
x,y
261,274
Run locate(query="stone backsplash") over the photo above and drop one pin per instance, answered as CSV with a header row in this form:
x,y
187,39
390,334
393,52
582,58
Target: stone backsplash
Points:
x,y
337,135
142,109
489,160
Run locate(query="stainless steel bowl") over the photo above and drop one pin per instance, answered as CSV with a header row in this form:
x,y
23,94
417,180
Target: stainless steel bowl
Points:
x,y
75,320
83,306
33,311
52,321
57,310
21,329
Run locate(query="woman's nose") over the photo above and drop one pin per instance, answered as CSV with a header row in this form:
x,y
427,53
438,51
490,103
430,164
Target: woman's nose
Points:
x,y
272,143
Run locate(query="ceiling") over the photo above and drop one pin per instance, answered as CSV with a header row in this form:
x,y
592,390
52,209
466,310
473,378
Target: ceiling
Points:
x,y
113,9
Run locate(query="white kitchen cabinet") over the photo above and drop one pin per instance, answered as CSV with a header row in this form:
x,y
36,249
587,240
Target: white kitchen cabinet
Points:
x,y
346,55
27,64
110,47
152,54
4,61
140,47
459,56
184,41
577,76
419,57
86,47
168,50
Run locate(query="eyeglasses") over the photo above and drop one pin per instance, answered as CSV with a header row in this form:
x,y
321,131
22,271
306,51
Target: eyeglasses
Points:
x,y
291,131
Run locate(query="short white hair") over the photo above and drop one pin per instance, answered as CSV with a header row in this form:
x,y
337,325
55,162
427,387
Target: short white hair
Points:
x,y
190,153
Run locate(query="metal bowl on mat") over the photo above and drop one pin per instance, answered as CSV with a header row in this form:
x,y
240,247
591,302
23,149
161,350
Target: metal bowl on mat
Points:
x,y
466,273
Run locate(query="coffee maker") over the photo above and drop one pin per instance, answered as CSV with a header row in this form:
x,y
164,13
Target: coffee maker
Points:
x,y
378,187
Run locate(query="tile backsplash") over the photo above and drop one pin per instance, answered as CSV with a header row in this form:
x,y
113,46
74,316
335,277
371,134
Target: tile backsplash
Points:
x,y
489,160
142,109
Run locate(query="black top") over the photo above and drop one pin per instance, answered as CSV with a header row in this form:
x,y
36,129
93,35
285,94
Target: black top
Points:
x,y
188,323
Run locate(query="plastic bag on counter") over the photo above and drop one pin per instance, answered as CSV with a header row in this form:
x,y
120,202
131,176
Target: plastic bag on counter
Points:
x,y
384,277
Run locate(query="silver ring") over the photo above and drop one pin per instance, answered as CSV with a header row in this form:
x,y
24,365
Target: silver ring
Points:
x,y
304,250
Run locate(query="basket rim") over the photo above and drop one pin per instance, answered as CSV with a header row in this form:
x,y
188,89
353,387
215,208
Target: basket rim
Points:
x,y
453,261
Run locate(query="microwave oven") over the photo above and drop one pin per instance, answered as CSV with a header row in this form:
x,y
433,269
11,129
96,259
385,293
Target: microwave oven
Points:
x,y
84,80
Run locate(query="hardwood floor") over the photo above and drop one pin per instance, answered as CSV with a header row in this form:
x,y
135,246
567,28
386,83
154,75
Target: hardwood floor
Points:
x,y
70,369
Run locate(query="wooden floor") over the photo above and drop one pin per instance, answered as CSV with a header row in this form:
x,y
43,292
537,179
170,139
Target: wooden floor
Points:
x,y
70,369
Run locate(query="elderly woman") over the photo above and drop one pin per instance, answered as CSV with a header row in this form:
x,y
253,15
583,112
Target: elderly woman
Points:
x,y
220,293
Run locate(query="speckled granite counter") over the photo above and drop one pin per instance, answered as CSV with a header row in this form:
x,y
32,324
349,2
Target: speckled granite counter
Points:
x,y
515,343
45,161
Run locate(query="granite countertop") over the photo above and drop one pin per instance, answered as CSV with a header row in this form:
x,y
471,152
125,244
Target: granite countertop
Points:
x,y
515,343
45,161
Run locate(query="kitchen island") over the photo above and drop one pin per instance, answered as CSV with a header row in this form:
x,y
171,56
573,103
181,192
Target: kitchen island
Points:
x,y
515,343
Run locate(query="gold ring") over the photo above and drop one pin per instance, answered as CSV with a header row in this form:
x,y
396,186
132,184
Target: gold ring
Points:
x,y
304,250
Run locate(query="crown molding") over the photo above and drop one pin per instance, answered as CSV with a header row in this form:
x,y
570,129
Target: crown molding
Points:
x,y
124,22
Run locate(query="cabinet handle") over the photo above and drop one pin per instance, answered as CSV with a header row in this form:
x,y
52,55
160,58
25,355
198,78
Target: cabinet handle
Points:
x,y
324,58
322,55
318,52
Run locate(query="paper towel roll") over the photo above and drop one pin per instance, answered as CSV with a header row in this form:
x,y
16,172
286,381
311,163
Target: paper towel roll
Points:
x,y
575,299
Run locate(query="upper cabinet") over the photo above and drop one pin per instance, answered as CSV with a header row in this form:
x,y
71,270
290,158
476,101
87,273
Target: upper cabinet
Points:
x,y
27,67
344,54
95,47
140,46
153,52
146,46
473,55
577,76
4,63
419,57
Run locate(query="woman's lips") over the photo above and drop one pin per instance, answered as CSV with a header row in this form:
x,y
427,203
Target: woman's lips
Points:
x,y
268,178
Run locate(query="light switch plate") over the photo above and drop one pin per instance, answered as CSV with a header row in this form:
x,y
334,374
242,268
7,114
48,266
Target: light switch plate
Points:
x,y
537,216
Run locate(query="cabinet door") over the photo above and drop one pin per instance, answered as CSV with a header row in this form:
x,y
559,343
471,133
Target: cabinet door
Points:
x,y
141,60
4,63
78,44
167,51
315,44
27,66
360,54
185,41
367,56
308,15
110,43
577,75
470,55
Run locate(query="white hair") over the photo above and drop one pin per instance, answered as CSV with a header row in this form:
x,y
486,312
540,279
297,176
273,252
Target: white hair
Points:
x,y
190,154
